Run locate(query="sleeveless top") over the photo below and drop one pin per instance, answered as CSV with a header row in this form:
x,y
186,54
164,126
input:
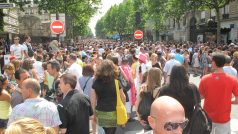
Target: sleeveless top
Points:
x,y
5,110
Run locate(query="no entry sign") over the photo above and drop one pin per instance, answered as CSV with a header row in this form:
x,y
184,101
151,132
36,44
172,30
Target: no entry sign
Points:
x,y
138,34
57,27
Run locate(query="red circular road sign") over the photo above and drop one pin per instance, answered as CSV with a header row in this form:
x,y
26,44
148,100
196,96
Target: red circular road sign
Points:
x,y
138,34
57,27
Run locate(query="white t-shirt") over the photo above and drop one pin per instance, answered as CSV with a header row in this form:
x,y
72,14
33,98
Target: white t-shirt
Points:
x,y
169,65
230,70
40,71
144,69
24,47
100,51
17,50
76,69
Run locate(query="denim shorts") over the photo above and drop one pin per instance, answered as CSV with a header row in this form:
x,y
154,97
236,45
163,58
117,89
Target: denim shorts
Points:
x,y
3,123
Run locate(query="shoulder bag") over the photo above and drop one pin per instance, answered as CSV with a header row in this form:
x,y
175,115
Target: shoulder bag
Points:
x,y
120,108
124,83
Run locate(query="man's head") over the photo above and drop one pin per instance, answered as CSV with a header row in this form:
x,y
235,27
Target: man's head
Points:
x,y
39,57
27,38
228,60
167,115
177,50
30,88
218,60
53,67
16,40
20,76
72,58
67,82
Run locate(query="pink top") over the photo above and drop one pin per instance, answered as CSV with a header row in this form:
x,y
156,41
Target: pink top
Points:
x,y
126,71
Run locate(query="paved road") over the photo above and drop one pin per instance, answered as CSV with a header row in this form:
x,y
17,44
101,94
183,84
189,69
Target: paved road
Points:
x,y
135,127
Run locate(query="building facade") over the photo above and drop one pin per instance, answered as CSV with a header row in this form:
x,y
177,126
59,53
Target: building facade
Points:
x,y
11,23
34,23
200,26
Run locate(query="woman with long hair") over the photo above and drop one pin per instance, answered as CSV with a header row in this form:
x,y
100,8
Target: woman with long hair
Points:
x,y
103,96
148,92
180,89
5,106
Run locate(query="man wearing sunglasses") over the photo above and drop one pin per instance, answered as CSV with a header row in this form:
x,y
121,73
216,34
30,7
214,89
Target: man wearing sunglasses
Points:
x,y
167,116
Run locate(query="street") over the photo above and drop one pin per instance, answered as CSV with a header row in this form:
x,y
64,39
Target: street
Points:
x,y
135,127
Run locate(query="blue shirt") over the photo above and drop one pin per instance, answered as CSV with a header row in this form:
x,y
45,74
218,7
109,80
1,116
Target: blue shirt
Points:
x,y
88,85
179,58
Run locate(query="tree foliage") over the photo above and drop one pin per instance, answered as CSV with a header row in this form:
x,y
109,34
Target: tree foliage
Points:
x,y
121,18
118,20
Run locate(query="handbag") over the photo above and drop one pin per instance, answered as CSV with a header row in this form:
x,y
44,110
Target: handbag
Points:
x,y
120,108
124,83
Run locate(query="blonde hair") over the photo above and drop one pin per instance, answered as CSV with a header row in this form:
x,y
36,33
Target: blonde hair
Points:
x,y
153,57
28,126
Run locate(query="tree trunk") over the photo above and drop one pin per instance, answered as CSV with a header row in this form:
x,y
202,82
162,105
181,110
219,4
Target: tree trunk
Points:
x,y
218,14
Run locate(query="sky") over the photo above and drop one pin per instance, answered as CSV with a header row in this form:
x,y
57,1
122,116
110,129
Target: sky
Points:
x,y
106,4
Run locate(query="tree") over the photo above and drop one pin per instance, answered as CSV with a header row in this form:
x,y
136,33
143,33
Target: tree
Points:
x,y
100,28
78,13
119,19
216,5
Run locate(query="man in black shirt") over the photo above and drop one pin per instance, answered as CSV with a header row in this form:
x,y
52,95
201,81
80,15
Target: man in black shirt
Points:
x,y
75,108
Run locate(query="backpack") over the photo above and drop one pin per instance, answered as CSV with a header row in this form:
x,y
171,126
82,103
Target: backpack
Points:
x,y
199,123
30,51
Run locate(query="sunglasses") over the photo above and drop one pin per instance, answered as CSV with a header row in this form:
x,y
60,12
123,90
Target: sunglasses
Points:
x,y
171,126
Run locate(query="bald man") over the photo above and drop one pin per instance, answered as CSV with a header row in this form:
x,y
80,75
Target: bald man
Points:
x,y
35,107
167,116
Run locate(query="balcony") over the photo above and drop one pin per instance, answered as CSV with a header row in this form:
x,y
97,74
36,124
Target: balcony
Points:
x,y
225,16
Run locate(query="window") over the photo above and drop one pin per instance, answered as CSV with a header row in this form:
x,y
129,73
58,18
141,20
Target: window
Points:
x,y
203,15
227,9
225,12
213,13
184,20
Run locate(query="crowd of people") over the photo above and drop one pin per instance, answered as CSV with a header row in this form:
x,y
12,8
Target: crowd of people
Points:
x,y
57,88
